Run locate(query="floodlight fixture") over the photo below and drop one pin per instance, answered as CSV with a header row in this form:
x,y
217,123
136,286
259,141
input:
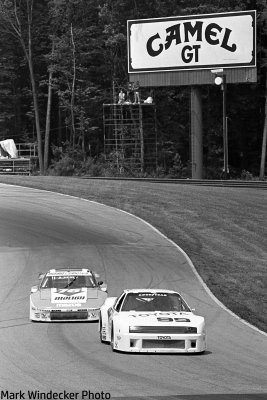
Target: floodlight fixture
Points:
x,y
218,80
218,71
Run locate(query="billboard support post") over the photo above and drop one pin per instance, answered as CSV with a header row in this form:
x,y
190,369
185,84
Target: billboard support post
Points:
x,y
220,79
196,133
225,131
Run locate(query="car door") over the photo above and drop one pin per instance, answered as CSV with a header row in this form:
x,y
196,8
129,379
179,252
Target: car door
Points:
x,y
114,310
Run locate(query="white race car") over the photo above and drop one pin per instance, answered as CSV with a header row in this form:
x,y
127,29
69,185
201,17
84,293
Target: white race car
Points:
x,y
67,295
151,320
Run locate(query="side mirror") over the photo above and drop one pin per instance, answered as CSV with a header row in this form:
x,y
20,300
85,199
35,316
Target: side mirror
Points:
x,y
103,286
41,275
193,309
34,289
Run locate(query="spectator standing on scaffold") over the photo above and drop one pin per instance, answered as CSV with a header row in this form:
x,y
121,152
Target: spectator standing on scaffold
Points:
x,y
136,88
121,97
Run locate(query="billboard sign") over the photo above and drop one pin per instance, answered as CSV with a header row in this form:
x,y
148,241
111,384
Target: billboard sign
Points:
x,y
192,42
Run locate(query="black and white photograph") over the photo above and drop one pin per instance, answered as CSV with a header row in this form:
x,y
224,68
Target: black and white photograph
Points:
x,y
133,199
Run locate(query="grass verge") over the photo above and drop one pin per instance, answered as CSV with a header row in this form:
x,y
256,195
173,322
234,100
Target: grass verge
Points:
x,y
223,230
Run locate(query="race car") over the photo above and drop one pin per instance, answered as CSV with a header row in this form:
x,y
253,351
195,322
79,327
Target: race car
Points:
x,y
67,295
151,320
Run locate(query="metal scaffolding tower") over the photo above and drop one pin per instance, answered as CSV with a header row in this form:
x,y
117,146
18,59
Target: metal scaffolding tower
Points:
x,y
131,135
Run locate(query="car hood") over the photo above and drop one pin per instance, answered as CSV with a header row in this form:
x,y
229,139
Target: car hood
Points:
x,y
160,318
82,297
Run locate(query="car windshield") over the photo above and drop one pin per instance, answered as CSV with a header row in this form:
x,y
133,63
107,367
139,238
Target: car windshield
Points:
x,y
160,301
63,281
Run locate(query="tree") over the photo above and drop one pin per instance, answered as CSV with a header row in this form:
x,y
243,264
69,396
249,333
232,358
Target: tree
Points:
x,y
48,113
7,87
79,67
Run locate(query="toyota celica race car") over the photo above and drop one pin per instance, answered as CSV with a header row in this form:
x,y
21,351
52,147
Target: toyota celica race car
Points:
x,y
67,295
151,320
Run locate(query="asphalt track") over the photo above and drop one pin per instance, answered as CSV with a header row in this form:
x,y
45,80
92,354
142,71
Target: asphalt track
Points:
x,y
40,230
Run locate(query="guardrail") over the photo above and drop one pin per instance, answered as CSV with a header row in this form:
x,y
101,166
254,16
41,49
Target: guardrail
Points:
x,y
201,182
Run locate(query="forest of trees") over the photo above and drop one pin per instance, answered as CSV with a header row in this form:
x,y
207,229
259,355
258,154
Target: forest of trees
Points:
x,y
58,62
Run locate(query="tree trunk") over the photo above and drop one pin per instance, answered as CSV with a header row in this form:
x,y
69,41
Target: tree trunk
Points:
x,y
48,116
37,119
28,54
34,91
47,124
73,88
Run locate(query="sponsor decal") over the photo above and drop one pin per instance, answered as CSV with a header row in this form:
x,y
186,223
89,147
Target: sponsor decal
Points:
x,y
68,296
164,337
92,315
152,294
156,314
70,292
68,273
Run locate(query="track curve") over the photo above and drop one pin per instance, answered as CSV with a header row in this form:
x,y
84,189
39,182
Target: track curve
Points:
x,y
40,230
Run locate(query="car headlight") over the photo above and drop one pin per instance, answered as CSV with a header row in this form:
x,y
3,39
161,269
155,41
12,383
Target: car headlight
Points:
x,y
191,329
135,329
